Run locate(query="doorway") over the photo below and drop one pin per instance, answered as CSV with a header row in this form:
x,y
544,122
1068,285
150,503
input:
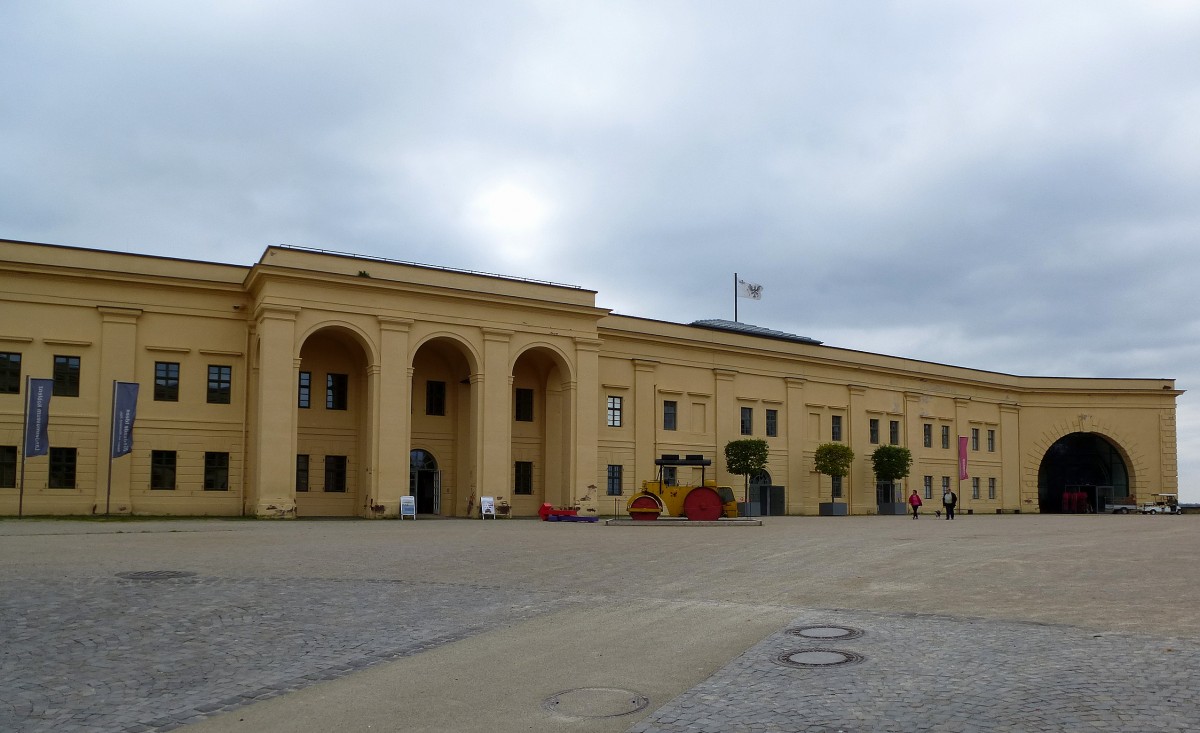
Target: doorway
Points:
x,y
425,482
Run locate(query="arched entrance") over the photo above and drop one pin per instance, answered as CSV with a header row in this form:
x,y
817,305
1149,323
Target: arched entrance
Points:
x,y
332,433
767,498
1079,473
425,482
542,430
442,425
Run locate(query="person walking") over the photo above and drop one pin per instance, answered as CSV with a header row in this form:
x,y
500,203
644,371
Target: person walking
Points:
x,y
915,502
949,501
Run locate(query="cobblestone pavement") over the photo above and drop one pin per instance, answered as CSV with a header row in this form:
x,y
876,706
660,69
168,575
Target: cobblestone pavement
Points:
x,y
916,672
151,655
959,620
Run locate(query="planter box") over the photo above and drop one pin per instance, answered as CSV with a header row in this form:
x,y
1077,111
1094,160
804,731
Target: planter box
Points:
x,y
894,507
834,509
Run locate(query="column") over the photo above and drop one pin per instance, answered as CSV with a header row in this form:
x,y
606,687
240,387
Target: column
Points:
x,y
392,423
1012,492
118,362
273,489
494,437
645,420
860,491
962,426
728,426
802,498
584,399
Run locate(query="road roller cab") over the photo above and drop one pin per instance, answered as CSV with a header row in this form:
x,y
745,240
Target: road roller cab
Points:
x,y
700,502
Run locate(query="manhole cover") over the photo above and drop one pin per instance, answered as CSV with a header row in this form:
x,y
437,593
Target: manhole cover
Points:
x,y
826,632
810,658
595,702
155,574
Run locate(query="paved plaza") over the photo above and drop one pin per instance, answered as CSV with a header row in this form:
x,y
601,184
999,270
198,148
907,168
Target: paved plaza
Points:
x,y
986,623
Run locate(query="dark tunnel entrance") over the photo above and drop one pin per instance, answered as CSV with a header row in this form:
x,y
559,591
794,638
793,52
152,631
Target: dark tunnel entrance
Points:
x,y
1080,473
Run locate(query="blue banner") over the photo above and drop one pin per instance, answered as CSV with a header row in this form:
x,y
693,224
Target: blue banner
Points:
x,y
37,416
125,396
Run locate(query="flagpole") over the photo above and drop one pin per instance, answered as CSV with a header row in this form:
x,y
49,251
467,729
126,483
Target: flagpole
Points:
x,y
735,296
24,441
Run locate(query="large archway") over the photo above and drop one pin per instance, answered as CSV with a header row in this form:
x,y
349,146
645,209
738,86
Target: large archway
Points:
x,y
331,424
1084,464
542,430
441,423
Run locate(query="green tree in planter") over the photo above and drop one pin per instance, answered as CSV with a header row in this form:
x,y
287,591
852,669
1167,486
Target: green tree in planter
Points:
x,y
746,457
891,462
833,459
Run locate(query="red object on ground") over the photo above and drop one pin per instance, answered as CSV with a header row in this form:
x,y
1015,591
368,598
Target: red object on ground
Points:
x,y
644,508
702,504
546,511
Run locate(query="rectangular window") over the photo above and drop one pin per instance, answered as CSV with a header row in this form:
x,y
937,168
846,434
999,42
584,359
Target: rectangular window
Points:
x,y
945,436
772,423
835,487
670,475
614,412
523,409
835,428
929,487
166,381
8,466
304,396
670,410
974,438
302,472
945,484
10,372
874,431
927,435
991,488
220,384
62,468
975,488
991,441
335,474
894,432
435,398
162,470
614,479
216,471
523,477
747,421
66,376
336,387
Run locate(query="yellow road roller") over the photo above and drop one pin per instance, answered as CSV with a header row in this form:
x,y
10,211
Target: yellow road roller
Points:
x,y
705,502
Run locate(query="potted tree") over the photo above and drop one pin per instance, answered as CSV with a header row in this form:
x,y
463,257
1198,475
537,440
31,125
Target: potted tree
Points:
x,y
891,463
745,458
833,459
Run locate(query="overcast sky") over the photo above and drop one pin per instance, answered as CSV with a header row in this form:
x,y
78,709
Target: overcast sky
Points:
x,y
1011,186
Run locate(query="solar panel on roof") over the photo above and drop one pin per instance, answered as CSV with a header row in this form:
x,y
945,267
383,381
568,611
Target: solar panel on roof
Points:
x,y
718,324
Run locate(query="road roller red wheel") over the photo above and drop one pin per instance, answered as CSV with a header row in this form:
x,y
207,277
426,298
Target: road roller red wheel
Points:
x,y
644,508
702,504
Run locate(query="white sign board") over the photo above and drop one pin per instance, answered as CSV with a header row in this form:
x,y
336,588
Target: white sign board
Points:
x,y
408,507
487,506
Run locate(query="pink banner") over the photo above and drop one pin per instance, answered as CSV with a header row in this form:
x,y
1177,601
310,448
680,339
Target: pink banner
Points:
x,y
962,457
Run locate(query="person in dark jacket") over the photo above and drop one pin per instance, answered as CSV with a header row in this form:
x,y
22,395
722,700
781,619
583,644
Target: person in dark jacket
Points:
x,y
949,501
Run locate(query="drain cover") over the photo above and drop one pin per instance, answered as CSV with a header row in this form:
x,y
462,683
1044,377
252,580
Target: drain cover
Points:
x,y
809,658
595,702
826,631
155,574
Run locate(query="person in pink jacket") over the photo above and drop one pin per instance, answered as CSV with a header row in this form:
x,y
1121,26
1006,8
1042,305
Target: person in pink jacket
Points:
x,y
915,502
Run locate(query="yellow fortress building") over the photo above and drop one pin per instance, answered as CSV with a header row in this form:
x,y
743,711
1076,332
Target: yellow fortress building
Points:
x,y
315,384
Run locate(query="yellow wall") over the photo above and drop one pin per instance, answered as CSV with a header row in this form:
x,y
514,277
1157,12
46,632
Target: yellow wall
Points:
x,y
392,328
